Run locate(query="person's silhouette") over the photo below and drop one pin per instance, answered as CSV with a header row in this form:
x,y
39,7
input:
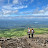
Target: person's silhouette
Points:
x,y
29,32
32,32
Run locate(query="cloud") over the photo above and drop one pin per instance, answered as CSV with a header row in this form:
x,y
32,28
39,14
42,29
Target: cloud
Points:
x,y
8,12
15,1
15,11
22,2
37,12
10,9
19,2
20,7
46,13
15,7
21,17
41,11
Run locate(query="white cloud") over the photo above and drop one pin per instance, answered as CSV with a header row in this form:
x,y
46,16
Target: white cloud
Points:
x,y
6,11
7,7
22,2
41,11
10,7
15,11
46,13
37,12
15,1
19,4
9,12
20,7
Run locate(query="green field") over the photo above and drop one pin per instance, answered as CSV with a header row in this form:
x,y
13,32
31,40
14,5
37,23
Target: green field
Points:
x,y
21,32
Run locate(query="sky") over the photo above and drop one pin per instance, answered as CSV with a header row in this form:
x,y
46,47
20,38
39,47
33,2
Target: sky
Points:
x,y
11,8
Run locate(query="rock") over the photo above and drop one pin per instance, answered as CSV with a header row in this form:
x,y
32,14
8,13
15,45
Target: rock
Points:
x,y
8,38
23,46
29,44
19,47
0,46
46,41
23,43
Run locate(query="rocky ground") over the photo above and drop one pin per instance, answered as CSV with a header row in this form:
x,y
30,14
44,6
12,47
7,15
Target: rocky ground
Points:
x,y
39,41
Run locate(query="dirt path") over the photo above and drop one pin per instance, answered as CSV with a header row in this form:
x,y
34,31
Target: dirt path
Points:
x,y
39,41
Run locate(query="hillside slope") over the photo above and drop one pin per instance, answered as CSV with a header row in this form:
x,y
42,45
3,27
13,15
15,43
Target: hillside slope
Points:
x,y
39,41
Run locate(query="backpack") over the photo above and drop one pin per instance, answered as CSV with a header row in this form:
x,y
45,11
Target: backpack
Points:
x,y
32,31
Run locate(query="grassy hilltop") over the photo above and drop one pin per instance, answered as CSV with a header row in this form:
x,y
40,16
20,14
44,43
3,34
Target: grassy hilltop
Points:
x,y
20,32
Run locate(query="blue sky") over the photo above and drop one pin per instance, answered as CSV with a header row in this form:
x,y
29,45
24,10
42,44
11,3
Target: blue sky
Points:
x,y
23,8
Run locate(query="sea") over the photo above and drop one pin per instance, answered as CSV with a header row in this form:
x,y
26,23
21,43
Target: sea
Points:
x,y
24,23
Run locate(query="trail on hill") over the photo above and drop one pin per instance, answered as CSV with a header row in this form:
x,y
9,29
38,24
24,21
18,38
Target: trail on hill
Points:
x,y
39,41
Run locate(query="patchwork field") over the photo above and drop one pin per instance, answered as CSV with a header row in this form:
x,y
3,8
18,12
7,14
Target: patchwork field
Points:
x,y
21,32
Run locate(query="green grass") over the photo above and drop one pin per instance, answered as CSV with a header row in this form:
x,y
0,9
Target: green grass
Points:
x,y
21,32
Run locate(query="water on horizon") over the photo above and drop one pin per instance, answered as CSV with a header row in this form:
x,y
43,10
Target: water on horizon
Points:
x,y
24,23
